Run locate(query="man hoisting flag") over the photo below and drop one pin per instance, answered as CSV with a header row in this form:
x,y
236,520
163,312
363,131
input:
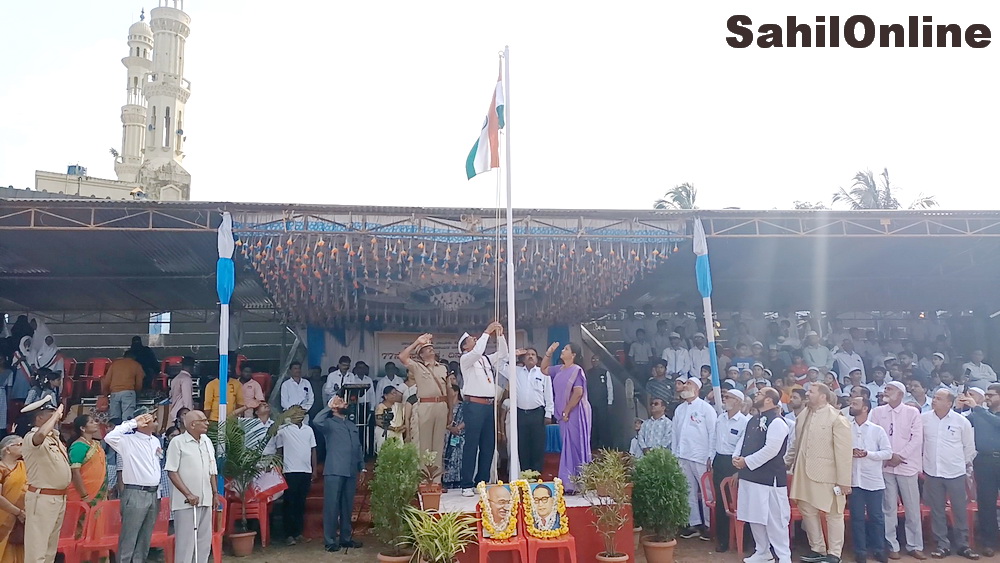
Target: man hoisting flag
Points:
x,y
485,154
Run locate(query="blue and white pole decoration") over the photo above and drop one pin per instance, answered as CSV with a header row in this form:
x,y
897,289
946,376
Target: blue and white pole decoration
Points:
x,y
225,275
704,275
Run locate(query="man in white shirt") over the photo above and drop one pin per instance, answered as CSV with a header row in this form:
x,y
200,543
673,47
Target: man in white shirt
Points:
x,y
678,358
535,409
192,468
877,384
978,374
479,391
392,378
296,444
296,390
728,430
336,378
694,429
815,354
700,355
181,388
871,448
139,454
918,396
847,360
641,353
949,448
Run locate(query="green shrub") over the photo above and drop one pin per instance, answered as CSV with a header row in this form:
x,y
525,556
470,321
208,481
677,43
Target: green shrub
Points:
x,y
394,486
659,496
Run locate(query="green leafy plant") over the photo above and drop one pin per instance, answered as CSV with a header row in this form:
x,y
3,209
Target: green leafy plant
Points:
x,y
438,537
245,460
659,500
429,470
394,485
530,475
604,482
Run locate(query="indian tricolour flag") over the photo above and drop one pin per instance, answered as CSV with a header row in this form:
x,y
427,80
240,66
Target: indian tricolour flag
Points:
x,y
485,154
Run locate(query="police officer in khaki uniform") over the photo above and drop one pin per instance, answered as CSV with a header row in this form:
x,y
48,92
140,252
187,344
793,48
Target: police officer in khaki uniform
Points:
x,y
432,410
47,463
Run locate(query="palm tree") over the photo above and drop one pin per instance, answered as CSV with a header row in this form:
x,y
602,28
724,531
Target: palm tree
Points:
x,y
678,197
866,193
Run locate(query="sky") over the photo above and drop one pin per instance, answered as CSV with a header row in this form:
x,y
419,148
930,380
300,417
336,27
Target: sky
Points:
x,y
611,104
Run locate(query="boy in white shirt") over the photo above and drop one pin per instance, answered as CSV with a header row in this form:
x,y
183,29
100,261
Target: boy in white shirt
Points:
x,y
296,444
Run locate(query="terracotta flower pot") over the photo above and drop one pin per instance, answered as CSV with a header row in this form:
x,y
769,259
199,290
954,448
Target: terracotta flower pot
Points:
x,y
659,552
393,558
242,544
431,500
612,558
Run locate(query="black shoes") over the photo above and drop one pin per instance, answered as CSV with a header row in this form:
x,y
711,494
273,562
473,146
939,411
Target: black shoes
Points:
x,y
351,544
690,532
332,548
813,557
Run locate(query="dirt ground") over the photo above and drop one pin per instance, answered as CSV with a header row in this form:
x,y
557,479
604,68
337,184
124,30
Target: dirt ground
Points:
x,y
688,551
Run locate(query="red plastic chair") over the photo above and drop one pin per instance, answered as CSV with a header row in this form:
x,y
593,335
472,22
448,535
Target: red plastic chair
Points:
x,y
69,367
258,510
487,546
100,537
70,534
564,545
97,367
729,498
161,531
264,380
220,529
708,492
170,361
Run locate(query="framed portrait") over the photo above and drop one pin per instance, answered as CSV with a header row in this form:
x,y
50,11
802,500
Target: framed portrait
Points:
x,y
498,505
545,509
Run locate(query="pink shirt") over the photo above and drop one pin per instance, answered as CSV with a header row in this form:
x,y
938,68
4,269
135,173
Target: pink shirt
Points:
x,y
906,436
180,394
253,396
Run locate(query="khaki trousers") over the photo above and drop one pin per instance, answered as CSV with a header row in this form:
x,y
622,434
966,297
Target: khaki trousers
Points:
x,y
432,419
43,521
834,544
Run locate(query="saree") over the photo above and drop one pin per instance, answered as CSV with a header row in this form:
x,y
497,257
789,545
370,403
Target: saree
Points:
x,y
89,458
15,483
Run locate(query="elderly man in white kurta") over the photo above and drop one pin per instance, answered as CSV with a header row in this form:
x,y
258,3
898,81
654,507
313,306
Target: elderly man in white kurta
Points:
x,y
763,492
694,426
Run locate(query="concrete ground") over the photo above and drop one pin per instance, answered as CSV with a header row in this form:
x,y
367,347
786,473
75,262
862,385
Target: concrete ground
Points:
x,y
688,551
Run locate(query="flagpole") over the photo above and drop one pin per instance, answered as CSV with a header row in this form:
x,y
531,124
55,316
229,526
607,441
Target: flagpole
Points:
x,y
515,462
703,273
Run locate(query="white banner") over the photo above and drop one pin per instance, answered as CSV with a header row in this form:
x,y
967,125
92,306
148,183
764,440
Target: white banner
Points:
x,y
389,344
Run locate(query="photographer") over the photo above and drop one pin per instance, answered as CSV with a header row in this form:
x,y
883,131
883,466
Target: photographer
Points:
x,y
389,417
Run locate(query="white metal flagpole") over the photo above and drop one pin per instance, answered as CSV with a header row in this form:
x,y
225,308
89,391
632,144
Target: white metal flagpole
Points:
x,y
515,462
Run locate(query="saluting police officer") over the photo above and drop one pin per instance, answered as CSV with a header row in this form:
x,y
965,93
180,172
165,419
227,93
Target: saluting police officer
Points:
x,y
47,463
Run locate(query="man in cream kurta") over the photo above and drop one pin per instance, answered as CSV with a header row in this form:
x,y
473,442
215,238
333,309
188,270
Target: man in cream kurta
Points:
x,y
821,460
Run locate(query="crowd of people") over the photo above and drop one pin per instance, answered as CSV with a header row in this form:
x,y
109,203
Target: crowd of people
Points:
x,y
849,422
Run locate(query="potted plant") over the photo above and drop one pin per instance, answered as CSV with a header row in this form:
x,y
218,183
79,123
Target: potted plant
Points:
x,y
430,492
244,462
394,486
438,537
609,474
659,503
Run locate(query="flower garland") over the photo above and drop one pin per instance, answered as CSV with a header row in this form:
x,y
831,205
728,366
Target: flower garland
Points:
x,y
507,528
529,512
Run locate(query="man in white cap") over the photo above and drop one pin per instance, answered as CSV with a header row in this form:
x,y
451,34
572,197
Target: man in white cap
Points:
x,y
694,428
49,476
480,372
763,482
678,358
729,430
812,376
815,354
700,355
906,436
